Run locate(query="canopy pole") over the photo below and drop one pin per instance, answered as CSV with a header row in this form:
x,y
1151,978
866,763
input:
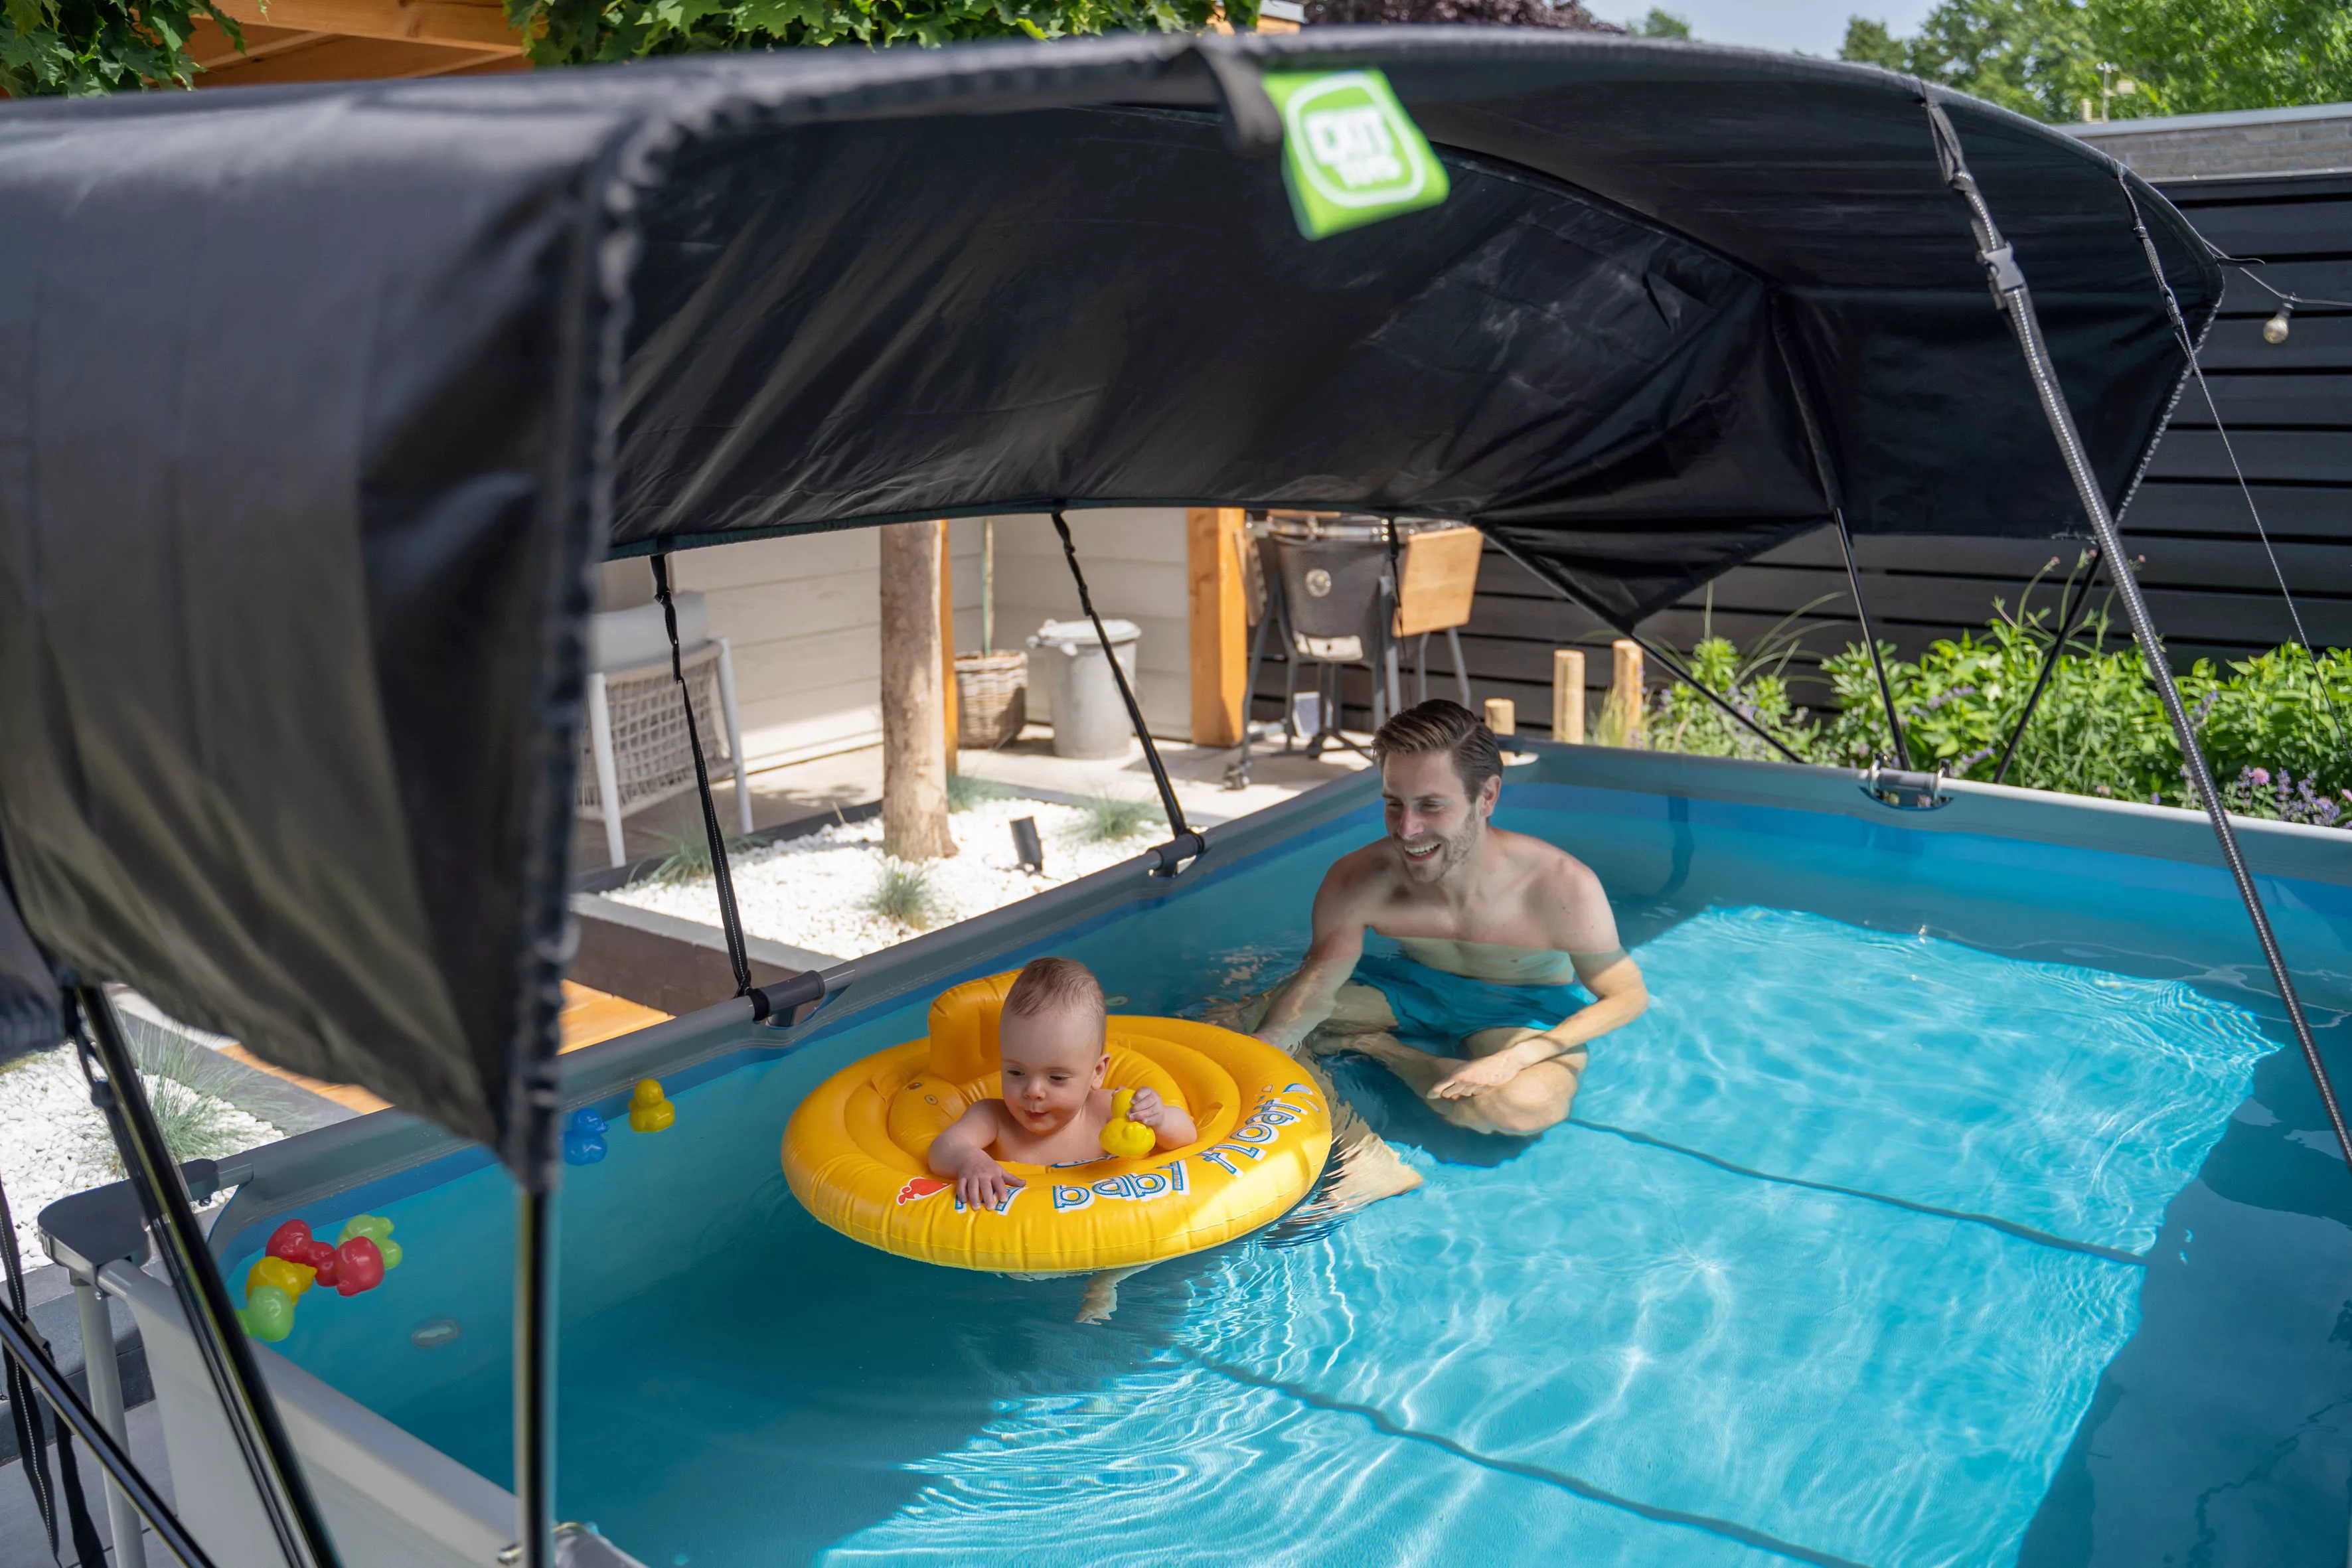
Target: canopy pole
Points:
x,y
783,995
283,1491
24,1347
2068,625
1832,492
1870,640
534,1375
731,920
1559,584
2009,288
1184,842
26,1360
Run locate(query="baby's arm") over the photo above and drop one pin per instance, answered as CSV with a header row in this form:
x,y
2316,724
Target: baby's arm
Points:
x,y
1171,1127
962,1153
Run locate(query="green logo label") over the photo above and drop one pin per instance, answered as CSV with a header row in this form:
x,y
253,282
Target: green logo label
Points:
x,y
1350,155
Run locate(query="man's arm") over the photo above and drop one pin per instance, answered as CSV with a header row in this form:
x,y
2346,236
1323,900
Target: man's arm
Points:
x,y
1611,977
1302,1006
1573,909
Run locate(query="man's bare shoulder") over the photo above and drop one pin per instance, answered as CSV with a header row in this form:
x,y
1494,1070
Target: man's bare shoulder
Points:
x,y
1561,885
1369,870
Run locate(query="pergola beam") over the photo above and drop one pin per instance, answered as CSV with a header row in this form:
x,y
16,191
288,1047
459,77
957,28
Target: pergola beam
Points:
x,y
480,29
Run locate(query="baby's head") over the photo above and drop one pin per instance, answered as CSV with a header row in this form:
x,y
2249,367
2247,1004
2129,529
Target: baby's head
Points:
x,y
1050,1042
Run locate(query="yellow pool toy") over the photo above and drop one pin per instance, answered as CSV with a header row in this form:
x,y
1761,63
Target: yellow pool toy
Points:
x,y
854,1152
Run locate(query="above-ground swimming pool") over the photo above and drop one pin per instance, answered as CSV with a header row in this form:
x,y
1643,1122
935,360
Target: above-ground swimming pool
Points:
x,y
1953,1203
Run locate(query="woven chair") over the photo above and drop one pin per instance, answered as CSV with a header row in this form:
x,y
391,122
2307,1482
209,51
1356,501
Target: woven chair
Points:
x,y
637,754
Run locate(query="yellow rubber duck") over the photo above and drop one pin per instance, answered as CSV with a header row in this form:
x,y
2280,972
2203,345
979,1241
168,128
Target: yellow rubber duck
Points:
x,y
292,1277
648,1111
1126,1140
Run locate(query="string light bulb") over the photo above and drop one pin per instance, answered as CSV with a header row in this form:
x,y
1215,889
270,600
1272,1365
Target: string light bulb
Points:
x,y
2274,331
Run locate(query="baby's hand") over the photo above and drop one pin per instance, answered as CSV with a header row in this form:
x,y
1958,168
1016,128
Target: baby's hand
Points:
x,y
1148,1108
982,1184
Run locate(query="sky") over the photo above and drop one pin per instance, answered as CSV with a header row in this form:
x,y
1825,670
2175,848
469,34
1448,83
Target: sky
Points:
x,y
1815,26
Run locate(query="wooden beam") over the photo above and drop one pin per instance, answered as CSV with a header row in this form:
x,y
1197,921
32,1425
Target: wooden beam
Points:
x,y
450,23
344,59
1219,624
947,646
210,47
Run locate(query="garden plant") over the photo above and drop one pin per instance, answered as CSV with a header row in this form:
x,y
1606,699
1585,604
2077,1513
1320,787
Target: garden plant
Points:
x,y
2273,726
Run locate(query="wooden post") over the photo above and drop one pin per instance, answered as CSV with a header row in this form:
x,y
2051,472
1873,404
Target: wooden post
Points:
x,y
1626,691
1502,716
1567,695
914,756
946,645
1219,625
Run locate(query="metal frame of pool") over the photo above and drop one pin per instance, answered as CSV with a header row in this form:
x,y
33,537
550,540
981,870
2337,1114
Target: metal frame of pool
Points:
x,y
392,1498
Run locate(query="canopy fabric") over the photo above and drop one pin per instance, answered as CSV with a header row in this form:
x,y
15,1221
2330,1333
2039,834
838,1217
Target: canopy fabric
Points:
x,y
317,404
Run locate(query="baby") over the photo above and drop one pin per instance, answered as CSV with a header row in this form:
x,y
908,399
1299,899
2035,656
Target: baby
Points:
x,y
1050,1043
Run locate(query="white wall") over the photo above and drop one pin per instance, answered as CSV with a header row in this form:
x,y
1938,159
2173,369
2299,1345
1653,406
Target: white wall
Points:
x,y
803,617
1135,566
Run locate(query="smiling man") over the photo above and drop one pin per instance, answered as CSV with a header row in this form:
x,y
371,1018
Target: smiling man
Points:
x,y
1497,929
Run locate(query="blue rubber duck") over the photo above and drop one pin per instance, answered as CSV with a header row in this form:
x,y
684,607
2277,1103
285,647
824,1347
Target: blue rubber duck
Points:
x,y
584,1138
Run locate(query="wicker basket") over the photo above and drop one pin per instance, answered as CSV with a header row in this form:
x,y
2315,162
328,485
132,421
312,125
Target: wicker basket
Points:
x,y
991,697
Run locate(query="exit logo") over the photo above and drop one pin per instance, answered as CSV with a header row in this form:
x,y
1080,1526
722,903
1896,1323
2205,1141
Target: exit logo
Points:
x,y
1351,153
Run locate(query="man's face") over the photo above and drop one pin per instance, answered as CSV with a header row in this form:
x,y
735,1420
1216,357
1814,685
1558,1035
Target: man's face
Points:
x,y
1050,1062
1433,821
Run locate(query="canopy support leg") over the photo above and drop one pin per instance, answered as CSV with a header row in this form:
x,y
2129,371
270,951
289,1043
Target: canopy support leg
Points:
x,y
2009,288
1184,842
24,1357
105,1376
778,999
534,1375
1901,758
2067,627
1561,585
1834,492
283,1491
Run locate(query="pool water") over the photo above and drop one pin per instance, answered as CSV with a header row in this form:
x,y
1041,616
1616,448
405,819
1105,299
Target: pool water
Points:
x,y
1953,1204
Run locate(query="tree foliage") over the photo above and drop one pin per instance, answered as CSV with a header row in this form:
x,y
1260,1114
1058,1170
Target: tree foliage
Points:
x,y
1568,14
56,47
2125,57
577,32
1660,24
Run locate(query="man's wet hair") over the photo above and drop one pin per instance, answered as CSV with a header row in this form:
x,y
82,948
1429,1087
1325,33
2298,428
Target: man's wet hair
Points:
x,y
1439,725
1055,985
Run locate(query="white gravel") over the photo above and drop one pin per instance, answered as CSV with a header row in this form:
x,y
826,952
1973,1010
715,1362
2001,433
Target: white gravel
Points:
x,y
815,892
53,1142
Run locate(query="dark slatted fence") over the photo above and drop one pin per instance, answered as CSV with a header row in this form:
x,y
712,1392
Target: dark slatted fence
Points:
x,y
2288,409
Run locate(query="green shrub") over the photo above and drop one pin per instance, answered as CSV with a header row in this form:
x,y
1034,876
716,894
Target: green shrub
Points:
x,y
688,859
905,894
2269,725
1109,818
966,791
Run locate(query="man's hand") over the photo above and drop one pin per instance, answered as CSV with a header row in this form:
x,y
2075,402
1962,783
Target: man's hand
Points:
x,y
981,1183
1482,1073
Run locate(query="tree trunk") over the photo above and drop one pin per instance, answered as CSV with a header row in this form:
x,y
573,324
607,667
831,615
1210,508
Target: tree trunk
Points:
x,y
914,722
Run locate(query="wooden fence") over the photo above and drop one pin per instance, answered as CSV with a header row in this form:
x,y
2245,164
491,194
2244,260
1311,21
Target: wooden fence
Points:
x,y
2208,580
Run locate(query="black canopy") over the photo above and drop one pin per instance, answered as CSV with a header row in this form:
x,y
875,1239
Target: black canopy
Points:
x,y
317,404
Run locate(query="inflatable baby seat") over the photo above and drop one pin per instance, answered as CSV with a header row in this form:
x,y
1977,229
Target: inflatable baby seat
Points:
x,y
855,1151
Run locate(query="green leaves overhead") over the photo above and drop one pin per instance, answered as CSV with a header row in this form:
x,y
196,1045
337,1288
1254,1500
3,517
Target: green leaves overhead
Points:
x,y
77,47
579,32
2123,58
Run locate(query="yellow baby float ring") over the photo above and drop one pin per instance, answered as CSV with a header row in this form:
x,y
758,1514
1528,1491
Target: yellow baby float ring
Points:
x,y
854,1152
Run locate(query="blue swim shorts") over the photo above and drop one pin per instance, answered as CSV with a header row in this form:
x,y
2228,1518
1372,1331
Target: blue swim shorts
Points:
x,y
1432,1004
